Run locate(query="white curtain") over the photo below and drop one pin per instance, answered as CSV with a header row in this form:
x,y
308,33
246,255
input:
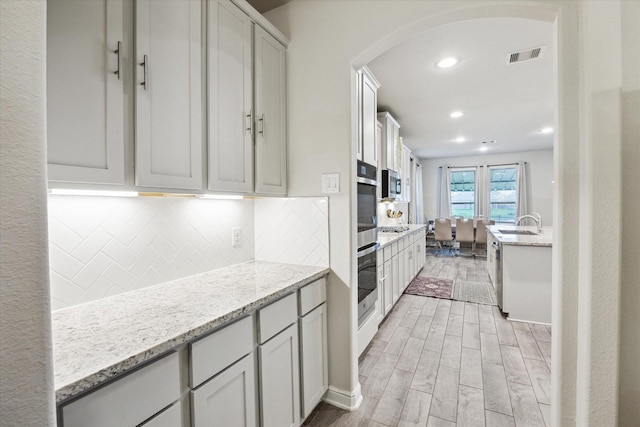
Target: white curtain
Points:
x,y
419,197
483,190
521,185
444,201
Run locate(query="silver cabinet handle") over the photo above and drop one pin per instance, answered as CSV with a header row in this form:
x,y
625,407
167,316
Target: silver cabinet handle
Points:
x,y
249,127
145,66
118,53
261,120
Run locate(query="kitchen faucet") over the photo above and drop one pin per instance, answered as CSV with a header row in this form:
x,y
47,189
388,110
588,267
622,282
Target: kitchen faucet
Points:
x,y
535,217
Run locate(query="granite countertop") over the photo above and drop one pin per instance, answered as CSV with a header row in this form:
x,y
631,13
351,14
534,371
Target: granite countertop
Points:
x,y
96,341
545,238
386,238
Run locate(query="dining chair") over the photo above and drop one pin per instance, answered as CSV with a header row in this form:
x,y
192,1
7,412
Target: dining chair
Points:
x,y
443,231
481,235
464,234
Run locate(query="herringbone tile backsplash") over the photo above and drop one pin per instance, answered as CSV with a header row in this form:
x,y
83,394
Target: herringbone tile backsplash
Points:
x,y
102,246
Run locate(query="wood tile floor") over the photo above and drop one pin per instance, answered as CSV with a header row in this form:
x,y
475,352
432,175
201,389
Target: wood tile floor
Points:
x,y
437,362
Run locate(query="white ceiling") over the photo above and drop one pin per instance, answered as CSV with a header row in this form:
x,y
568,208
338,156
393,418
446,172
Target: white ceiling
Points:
x,y
508,103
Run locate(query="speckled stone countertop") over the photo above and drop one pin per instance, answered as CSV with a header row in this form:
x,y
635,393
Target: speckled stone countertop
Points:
x,y
96,341
543,239
387,238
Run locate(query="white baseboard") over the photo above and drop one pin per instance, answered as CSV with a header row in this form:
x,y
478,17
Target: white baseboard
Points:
x,y
349,400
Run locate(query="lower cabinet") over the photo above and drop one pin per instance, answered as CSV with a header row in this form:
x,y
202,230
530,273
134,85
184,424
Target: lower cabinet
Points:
x,y
170,417
313,358
280,380
130,400
388,287
229,399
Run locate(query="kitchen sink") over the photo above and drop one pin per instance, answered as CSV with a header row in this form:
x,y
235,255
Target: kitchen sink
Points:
x,y
525,232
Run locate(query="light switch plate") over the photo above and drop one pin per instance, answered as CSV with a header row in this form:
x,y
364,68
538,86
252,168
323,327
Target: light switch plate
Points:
x,y
331,183
236,236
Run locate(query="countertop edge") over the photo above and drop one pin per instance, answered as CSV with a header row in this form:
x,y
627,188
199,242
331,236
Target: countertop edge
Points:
x,y
394,237
102,376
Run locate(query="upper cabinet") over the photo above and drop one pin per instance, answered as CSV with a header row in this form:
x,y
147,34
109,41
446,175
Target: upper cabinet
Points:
x,y
406,174
231,113
271,114
368,86
85,133
117,94
168,94
390,135
247,115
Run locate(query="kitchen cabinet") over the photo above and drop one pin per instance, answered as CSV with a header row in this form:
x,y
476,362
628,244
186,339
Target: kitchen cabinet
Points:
x,y
397,273
168,91
247,111
85,95
271,115
280,380
229,398
230,90
130,400
367,111
170,417
313,358
406,175
390,136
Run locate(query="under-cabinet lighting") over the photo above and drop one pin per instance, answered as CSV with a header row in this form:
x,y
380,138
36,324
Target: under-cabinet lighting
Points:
x,y
101,193
484,148
447,62
221,196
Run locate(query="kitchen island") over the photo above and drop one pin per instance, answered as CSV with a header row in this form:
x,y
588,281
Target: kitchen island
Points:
x,y
116,352
520,269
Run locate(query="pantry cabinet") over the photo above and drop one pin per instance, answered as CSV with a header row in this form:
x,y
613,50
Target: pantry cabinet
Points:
x,y
406,174
85,105
168,94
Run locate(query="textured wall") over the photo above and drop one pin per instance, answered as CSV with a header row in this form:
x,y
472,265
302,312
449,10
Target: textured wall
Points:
x,y
102,246
293,230
26,376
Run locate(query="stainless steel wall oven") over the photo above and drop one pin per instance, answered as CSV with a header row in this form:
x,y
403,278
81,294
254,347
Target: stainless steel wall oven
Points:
x,y
367,240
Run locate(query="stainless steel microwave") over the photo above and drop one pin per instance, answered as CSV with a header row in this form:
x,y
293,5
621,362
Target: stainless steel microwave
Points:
x,y
391,184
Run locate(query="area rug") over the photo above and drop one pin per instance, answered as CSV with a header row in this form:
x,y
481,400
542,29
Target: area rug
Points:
x,y
479,292
430,287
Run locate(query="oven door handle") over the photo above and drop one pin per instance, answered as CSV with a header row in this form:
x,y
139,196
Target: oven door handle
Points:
x,y
369,250
368,181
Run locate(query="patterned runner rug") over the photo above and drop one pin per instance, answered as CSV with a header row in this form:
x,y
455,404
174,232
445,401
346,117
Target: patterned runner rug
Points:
x,y
480,292
430,287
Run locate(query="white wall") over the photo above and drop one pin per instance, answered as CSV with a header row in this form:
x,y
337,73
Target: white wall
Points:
x,y
539,175
26,374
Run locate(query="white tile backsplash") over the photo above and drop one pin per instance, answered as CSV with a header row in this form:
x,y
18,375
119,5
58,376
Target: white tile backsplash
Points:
x,y
103,246
292,230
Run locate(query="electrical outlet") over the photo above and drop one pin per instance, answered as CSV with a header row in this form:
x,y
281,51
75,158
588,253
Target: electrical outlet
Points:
x,y
236,237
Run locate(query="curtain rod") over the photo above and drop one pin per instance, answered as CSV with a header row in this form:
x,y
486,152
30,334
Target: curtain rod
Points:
x,y
479,166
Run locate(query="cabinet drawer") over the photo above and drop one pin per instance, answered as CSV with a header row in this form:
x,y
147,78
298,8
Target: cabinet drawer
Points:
x,y
215,352
394,249
277,316
312,296
129,400
387,253
401,243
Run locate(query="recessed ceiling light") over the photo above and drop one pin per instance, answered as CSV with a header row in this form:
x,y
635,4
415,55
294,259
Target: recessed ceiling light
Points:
x,y
447,62
460,139
547,129
456,114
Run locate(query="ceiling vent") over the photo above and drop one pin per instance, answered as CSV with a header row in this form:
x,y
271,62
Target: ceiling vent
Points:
x,y
525,55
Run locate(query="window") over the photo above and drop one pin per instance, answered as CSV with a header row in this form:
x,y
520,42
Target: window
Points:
x,y
503,194
463,192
